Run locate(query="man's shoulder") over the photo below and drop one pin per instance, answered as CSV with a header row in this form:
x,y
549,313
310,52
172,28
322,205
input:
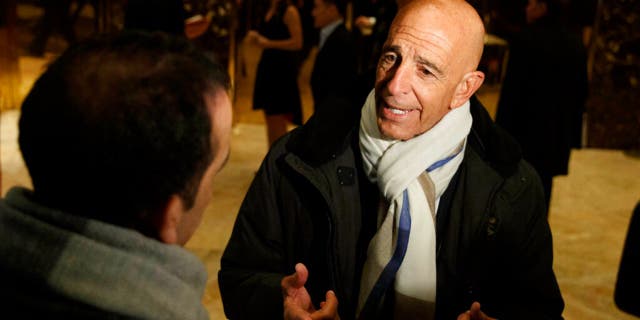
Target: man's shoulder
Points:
x,y
510,195
341,30
524,182
328,132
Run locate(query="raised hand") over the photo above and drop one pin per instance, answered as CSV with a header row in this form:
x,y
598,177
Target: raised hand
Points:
x,y
297,301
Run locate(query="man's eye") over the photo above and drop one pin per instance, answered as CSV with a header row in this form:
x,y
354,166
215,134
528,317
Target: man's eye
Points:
x,y
388,58
426,72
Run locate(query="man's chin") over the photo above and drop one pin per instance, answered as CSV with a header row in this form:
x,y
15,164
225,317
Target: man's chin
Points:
x,y
393,132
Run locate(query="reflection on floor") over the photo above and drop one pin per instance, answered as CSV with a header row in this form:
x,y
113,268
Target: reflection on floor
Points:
x,y
589,213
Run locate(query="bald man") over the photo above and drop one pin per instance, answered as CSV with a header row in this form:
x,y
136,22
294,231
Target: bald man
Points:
x,y
415,206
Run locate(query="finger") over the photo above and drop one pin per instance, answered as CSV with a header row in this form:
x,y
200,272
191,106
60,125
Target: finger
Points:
x,y
302,272
475,312
295,280
328,309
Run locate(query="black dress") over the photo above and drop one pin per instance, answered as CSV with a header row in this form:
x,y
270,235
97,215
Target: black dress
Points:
x,y
276,87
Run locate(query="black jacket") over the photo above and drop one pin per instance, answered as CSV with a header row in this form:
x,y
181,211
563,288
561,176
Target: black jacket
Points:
x,y
335,66
310,202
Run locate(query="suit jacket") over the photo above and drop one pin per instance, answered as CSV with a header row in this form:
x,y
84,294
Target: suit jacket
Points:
x,y
334,70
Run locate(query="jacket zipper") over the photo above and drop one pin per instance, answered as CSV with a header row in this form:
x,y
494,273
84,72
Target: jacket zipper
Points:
x,y
300,167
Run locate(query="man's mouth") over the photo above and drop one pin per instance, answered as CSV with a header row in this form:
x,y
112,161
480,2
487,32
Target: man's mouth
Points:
x,y
397,111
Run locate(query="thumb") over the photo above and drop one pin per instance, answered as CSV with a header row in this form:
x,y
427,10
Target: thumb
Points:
x,y
475,311
295,280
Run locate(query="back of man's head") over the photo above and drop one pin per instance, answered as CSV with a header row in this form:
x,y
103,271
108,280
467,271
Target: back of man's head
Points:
x,y
118,124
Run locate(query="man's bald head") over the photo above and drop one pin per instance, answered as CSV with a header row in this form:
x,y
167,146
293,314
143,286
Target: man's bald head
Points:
x,y
428,65
461,21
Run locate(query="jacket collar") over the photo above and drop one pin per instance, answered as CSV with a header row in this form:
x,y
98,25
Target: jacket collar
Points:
x,y
494,145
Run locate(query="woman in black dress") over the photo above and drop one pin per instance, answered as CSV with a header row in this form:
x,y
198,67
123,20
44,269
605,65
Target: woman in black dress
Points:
x,y
276,87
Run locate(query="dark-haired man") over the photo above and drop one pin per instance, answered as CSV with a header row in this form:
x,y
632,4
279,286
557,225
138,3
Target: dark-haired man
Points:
x,y
122,136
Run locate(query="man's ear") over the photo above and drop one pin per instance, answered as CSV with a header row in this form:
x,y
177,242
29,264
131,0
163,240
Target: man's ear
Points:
x,y
466,88
169,219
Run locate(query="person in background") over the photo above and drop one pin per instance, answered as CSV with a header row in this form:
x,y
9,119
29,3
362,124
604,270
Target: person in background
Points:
x,y
309,32
122,136
372,19
544,90
628,279
416,206
160,15
334,70
56,18
167,16
276,89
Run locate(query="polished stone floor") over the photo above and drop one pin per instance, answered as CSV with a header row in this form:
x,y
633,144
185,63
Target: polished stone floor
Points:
x,y
589,213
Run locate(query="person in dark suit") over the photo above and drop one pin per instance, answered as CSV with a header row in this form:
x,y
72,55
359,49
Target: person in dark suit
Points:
x,y
372,19
626,296
544,90
168,16
334,70
55,18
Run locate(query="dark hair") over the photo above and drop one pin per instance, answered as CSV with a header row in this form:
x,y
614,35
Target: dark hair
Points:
x,y
341,5
119,123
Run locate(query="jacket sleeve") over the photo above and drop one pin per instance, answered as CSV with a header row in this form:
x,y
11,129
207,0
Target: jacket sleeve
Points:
x,y
252,264
530,288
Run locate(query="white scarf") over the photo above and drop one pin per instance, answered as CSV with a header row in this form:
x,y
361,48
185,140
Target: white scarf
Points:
x,y
397,165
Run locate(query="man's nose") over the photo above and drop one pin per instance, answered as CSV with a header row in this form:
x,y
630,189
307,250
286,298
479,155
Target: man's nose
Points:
x,y
400,82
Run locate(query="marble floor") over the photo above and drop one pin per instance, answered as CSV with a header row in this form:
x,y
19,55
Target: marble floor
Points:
x,y
589,213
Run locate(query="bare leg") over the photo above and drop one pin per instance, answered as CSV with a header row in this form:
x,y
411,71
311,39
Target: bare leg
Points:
x,y
276,126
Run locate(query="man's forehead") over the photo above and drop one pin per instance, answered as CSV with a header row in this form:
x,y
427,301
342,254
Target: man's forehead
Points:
x,y
430,44
421,33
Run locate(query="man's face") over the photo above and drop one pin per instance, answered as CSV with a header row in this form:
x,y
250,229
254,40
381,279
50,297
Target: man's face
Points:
x,y
323,13
417,74
219,106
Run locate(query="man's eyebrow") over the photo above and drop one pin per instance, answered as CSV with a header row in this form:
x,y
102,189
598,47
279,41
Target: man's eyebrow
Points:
x,y
432,67
429,64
